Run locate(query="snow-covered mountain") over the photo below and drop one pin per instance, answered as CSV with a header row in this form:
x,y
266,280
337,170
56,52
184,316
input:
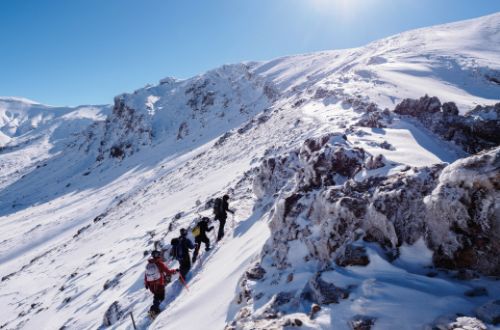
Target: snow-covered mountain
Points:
x,y
348,214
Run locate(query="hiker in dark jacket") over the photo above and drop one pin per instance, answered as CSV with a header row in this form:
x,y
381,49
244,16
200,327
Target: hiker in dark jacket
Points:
x,y
202,237
181,252
155,279
221,215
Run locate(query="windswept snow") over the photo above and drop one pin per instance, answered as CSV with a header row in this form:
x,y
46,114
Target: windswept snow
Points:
x,y
86,191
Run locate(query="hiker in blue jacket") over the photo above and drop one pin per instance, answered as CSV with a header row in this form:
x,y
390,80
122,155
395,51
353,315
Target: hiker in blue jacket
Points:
x,y
180,250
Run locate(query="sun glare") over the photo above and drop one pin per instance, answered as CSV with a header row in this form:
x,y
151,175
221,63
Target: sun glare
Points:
x,y
345,8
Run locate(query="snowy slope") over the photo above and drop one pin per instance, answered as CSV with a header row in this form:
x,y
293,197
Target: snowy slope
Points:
x,y
459,62
85,192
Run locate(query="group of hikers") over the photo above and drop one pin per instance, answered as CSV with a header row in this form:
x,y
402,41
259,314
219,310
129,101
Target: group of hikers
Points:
x,y
158,274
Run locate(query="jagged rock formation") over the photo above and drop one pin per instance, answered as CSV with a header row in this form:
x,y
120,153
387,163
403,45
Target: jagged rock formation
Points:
x,y
455,209
322,207
477,130
196,109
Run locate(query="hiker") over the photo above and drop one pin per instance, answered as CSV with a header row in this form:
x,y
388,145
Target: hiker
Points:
x,y
157,275
200,236
158,245
180,251
221,207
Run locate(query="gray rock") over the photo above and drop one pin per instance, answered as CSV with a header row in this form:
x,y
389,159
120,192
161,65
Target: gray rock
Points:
x,y
362,322
353,256
113,314
489,312
322,292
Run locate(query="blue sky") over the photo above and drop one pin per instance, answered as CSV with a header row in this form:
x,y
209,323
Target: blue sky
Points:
x,y
71,52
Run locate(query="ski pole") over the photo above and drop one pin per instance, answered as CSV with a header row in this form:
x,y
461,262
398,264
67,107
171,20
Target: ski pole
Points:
x,y
133,321
183,282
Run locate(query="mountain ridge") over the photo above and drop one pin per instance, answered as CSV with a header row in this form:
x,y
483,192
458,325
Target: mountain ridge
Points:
x,y
84,198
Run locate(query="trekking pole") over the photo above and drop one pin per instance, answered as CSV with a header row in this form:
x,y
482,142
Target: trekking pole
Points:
x,y
133,321
183,282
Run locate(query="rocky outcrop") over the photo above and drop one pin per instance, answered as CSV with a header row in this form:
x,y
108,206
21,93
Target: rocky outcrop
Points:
x,y
455,209
324,211
322,292
477,130
125,130
490,312
113,314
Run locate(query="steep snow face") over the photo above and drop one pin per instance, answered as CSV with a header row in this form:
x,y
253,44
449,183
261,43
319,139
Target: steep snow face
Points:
x,y
459,62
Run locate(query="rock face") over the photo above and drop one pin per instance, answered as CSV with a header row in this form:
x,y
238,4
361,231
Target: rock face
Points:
x,y
125,130
455,209
490,312
477,130
322,292
323,209
196,109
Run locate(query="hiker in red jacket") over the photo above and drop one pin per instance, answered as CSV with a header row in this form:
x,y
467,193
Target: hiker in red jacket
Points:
x,y
157,275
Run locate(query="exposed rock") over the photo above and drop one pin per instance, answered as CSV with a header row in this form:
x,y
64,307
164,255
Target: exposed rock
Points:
x,y
375,162
321,207
420,107
353,256
322,292
489,312
373,117
256,273
282,298
476,292
293,323
477,130
450,108
362,322
112,282
124,125
183,131
113,314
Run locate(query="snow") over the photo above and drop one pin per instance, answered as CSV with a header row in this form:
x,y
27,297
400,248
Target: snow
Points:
x,y
71,223
382,289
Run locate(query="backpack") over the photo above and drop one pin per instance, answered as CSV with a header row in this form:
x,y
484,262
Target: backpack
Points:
x,y
196,230
218,207
152,272
173,248
179,249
